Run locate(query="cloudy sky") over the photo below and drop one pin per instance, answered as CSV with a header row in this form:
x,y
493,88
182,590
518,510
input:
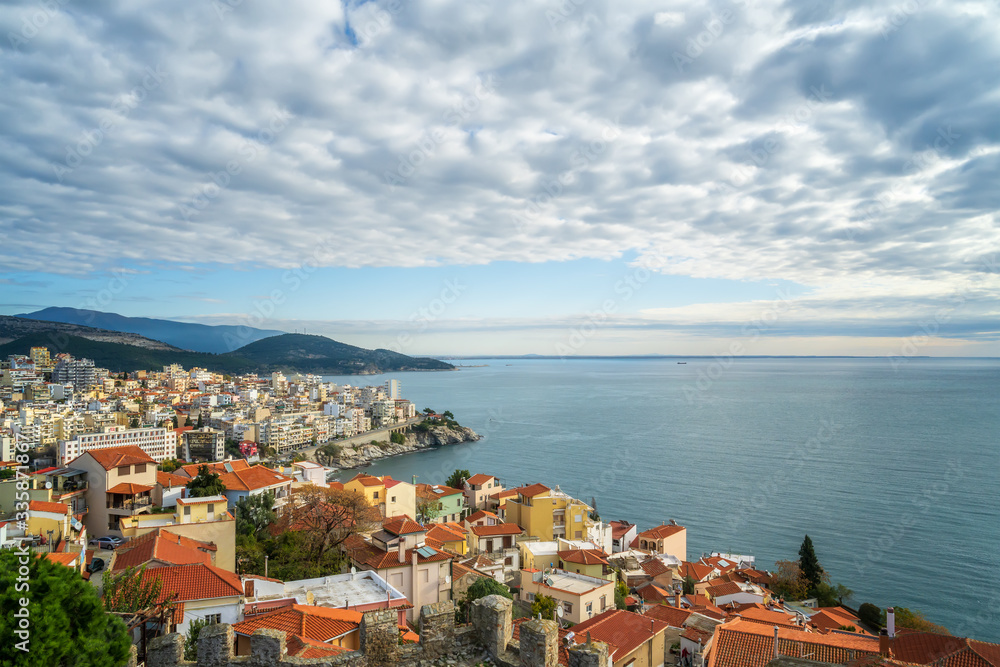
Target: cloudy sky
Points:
x,y
574,177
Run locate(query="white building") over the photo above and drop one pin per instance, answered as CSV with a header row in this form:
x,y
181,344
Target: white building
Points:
x,y
158,443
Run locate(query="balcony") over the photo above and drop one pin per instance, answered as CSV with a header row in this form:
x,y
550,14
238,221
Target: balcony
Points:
x,y
128,505
68,489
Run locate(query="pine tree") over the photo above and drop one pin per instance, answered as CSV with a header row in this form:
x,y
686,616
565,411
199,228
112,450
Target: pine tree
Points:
x,y
812,571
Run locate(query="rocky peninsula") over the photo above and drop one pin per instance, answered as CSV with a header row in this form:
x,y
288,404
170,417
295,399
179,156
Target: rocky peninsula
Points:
x,y
359,455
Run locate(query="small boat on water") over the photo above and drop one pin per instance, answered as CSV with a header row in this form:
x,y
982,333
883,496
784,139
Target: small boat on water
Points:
x,y
681,362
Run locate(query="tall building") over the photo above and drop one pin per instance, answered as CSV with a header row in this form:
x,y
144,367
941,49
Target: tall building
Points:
x,y
80,372
158,443
204,444
43,362
393,388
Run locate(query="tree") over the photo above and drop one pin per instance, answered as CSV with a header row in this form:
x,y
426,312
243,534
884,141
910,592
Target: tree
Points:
x,y
914,620
812,571
428,509
621,592
191,639
397,438
68,624
545,606
788,580
254,514
130,591
458,478
689,583
201,421
848,628
593,512
133,422
870,615
480,588
169,465
206,483
325,517
429,411
328,453
447,414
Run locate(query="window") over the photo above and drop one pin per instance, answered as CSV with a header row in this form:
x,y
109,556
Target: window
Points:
x,y
187,510
590,609
122,470
212,619
568,607
394,499
604,602
140,467
426,575
579,534
531,597
375,495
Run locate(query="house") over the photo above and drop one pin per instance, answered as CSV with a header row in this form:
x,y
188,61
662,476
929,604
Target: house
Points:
x,y
536,555
198,591
482,518
678,622
497,502
592,562
195,524
698,572
310,473
120,483
191,470
400,498
633,640
665,539
73,560
478,490
169,487
437,503
161,548
372,488
743,643
52,521
333,628
498,543
399,554
255,481
623,534
449,537
728,592
549,514
580,596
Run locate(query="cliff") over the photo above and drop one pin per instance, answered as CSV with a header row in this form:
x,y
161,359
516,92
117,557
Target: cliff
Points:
x,y
361,455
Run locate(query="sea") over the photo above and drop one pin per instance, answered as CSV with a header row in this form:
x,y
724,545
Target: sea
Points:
x,y
890,466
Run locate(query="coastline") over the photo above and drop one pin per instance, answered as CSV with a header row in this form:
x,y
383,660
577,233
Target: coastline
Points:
x,y
364,454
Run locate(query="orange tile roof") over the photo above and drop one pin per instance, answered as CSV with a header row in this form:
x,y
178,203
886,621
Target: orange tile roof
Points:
x,y
943,650
479,478
169,479
219,466
625,631
129,489
163,546
402,525
742,643
194,582
308,622
481,514
532,490
672,616
725,588
112,457
584,556
499,529
619,528
66,559
697,571
439,533
652,593
654,567
250,479
660,532
376,559
300,647
768,616
46,506
366,480
442,491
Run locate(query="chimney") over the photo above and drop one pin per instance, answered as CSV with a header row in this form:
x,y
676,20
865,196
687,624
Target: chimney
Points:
x,y
890,622
402,551
776,642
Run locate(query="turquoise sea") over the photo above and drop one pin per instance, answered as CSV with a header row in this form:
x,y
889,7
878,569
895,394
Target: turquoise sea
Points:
x,y
892,471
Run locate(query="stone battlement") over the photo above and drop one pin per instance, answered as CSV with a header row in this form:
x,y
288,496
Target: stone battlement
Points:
x,y
488,637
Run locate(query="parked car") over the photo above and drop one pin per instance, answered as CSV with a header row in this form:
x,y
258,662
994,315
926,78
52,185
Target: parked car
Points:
x,y
109,542
96,565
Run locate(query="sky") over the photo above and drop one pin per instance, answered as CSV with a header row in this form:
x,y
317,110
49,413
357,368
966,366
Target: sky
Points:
x,y
467,177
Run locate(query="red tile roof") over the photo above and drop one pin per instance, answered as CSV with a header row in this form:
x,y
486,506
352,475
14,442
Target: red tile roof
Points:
x,y
672,616
696,571
46,506
129,489
479,478
725,588
768,616
194,582
944,650
661,532
619,528
532,490
191,470
164,546
250,479
366,480
169,479
652,593
67,559
584,556
624,631
654,567
439,533
499,529
402,525
300,647
742,643
376,559
309,622
112,457
481,514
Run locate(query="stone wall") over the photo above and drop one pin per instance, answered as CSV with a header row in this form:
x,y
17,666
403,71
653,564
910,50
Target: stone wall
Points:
x,y
488,638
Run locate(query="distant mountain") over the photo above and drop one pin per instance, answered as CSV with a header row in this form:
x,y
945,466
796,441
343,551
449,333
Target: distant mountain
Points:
x,y
287,352
319,354
187,336
12,328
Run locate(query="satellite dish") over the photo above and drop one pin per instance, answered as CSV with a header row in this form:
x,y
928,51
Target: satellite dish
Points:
x,y
48,485
354,570
559,611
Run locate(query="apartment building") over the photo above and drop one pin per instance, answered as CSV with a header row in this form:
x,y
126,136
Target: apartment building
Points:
x,y
157,443
580,596
204,444
120,483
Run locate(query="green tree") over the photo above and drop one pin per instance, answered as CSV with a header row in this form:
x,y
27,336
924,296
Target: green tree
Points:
x,y
130,591
133,422
201,421
68,626
621,592
206,483
254,514
191,638
689,583
480,588
457,477
397,438
545,606
812,571
429,411
447,414
870,615
169,465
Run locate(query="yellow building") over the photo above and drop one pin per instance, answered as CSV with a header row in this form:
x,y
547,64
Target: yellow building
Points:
x,y
50,520
665,539
204,519
548,514
372,488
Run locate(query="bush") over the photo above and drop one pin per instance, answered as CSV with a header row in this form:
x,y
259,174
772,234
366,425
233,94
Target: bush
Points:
x,y
870,615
